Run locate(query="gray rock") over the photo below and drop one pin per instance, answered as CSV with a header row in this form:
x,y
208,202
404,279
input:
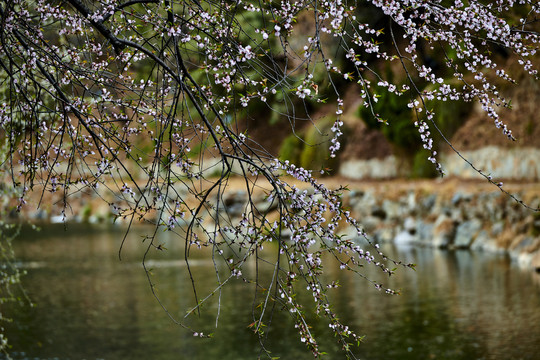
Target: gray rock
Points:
x,y
39,214
456,198
286,234
497,229
370,223
372,168
369,199
457,214
466,232
356,194
487,243
392,209
378,212
405,238
515,163
480,241
349,232
411,201
409,233
524,260
384,235
428,203
425,232
95,219
523,244
410,225
443,232
234,202
362,206
265,206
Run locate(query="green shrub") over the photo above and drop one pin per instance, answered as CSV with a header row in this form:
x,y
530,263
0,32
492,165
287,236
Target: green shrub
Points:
x,y
291,148
421,167
316,154
400,131
403,135
449,115
310,149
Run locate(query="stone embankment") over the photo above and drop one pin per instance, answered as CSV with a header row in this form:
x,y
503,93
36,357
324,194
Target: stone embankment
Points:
x,y
453,217
517,164
450,214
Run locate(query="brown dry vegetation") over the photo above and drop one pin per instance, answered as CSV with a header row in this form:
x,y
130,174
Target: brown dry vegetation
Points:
x,y
476,132
479,131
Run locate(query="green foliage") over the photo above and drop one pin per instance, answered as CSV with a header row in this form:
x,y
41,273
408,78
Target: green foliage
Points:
x,y
421,167
449,116
86,212
310,149
399,130
316,154
291,148
403,135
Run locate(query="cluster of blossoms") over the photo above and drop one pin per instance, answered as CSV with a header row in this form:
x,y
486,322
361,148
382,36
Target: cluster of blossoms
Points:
x,y
142,97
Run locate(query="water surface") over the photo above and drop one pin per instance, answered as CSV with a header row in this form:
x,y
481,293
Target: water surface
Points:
x,y
90,305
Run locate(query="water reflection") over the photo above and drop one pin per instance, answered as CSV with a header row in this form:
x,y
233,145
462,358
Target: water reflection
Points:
x,y
457,305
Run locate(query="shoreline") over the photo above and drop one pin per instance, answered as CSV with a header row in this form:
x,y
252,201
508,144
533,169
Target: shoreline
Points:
x,y
447,213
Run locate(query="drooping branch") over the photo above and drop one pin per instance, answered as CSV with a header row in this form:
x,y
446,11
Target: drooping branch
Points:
x,y
145,120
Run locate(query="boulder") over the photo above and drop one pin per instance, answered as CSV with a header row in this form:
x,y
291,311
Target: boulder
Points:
x,y
424,231
485,242
466,232
392,209
234,202
444,231
370,223
428,204
405,238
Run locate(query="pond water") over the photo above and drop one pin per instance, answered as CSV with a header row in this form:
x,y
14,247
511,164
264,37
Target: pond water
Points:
x,y
90,305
